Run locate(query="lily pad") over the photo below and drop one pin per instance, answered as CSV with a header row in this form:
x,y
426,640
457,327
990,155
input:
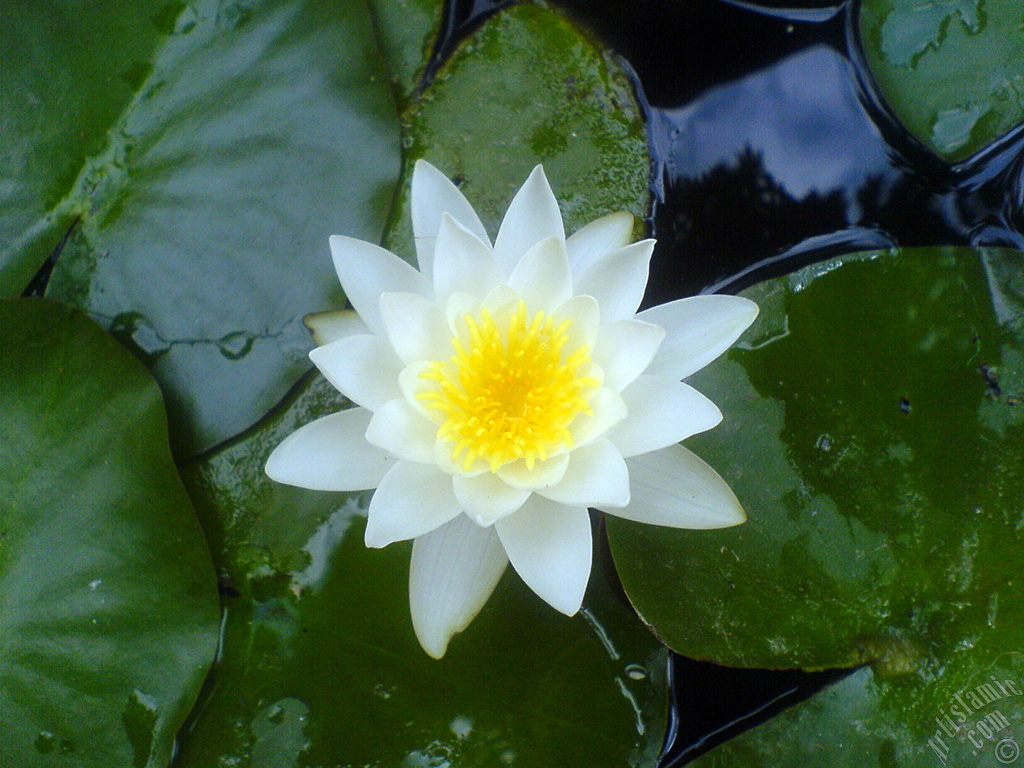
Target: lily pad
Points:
x,y
874,431
108,604
320,665
952,71
552,96
237,137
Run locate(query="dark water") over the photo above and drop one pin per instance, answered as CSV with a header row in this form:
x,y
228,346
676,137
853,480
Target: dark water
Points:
x,y
771,150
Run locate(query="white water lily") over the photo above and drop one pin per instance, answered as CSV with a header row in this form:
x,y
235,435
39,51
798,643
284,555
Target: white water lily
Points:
x,y
502,390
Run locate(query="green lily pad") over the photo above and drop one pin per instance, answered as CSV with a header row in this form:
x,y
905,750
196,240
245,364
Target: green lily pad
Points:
x,y
874,431
320,665
859,723
236,138
952,71
406,34
552,96
108,605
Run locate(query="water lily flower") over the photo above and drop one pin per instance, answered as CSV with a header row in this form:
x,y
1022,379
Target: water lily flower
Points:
x,y
503,389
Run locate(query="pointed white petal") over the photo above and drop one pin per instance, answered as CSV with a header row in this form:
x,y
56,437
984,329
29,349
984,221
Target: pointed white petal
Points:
x,y
674,487
697,330
403,431
624,350
597,238
432,196
364,368
609,409
416,328
411,500
326,327
366,271
662,411
463,262
454,570
550,547
542,276
486,498
585,321
596,477
617,280
330,454
532,216
543,475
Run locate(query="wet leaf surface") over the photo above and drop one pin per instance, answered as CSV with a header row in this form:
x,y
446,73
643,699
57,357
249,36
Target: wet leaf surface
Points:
x,y
952,71
234,139
320,665
873,431
108,605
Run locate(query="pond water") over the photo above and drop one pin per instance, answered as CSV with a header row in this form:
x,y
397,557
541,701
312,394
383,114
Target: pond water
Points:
x,y
771,149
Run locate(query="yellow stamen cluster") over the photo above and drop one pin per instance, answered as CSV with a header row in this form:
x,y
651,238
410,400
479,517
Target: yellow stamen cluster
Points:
x,y
509,396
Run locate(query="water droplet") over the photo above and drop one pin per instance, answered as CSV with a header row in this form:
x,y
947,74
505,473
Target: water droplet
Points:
x,y
636,672
461,726
45,742
235,345
95,583
824,443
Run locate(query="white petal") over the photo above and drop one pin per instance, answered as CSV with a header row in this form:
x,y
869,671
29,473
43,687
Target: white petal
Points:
x,y
542,276
597,238
486,498
366,271
463,262
403,431
596,477
363,368
624,350
330,454
698,329
674,487
326,327
532,216
609,409
662,411
454,570
585,317
411,382
411,500
617,280
550,547
543,475
433,195
416,327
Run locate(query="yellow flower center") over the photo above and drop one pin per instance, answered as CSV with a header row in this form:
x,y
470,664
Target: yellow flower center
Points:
x,y
508,396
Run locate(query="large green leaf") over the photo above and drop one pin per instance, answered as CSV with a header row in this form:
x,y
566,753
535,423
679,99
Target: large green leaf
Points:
x,y
236,137
875,434
108,606
952,71
321,667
